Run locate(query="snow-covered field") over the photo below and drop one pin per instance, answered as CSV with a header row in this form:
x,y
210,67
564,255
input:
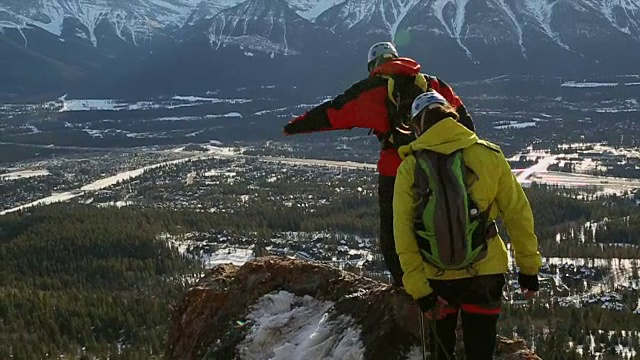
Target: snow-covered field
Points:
x,y
116,105
236,256
22,174
587,84
125,176
60,197
515,125
584,161
96,185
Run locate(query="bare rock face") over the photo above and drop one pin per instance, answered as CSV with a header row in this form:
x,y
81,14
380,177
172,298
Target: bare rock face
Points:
x,y
514,350
211,319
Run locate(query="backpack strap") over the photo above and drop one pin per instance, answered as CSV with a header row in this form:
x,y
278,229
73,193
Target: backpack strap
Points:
x,y
470,176
401,91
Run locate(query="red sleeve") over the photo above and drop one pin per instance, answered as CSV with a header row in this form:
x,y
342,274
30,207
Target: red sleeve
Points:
x,y
369,111
445,90
363,105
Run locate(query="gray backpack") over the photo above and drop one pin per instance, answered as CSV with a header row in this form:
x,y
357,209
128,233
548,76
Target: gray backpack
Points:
x,y
451,231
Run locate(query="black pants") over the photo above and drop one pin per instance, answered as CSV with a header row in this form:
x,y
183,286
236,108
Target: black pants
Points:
x,y
387,243
478,300
479,336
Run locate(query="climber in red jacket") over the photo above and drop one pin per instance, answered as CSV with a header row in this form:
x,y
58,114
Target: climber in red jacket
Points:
x,y
382,103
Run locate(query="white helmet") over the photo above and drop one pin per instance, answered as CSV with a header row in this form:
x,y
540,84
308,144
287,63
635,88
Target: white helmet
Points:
x,y
424,100
381,49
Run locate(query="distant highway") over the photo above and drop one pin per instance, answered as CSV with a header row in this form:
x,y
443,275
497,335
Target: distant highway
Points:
x,y
536,173
84,148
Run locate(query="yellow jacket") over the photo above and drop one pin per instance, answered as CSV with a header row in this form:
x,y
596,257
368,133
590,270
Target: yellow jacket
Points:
x,y
495,187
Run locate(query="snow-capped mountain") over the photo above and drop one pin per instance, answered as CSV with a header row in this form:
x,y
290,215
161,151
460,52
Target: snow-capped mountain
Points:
x,y
269,26
311,9
209,8
133,21
380,16
457,39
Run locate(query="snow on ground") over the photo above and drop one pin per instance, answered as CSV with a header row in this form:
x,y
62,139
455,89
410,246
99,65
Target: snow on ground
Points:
x,y
615,110
101,133
234,255
587,165
126,175
34,130
602,149
539,172
23,174
101,104
96,185
217,172
310,9
45,201
316,162
620,271
589,228
116,105
117,204
222,254
195,99
287,327
214,149
542,165
576,84
516,125
613,263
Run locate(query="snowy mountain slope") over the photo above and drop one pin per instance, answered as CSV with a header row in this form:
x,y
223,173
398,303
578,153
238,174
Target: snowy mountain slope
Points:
x,y
456,39
132,20
383,14
310,9
269,26
494,20
209,8
139,19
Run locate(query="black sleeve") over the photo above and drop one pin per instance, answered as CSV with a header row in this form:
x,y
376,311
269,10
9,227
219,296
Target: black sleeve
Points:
x,y
344,111
465,118
447,91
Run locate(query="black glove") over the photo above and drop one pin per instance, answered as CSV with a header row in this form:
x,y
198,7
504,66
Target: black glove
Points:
x,y
428,302
528,282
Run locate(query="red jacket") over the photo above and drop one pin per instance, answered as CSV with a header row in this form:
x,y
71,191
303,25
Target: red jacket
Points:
x,y
364,105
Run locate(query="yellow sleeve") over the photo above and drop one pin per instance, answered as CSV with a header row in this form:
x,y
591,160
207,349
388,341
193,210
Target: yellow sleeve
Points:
x,y
518,219
415,278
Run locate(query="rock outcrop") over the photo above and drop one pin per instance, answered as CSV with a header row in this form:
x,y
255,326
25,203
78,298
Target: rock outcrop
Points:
x,y
213,321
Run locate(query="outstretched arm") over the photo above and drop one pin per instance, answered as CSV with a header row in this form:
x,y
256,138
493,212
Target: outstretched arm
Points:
x,y
362,105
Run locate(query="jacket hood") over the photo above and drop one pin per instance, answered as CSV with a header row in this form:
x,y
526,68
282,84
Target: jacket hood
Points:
x,y
398,66
444,137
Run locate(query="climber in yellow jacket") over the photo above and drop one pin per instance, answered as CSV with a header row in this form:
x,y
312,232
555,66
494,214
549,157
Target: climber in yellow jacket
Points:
x,y
450,189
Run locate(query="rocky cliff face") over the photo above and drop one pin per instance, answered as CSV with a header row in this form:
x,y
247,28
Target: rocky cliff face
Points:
x,y
274,308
